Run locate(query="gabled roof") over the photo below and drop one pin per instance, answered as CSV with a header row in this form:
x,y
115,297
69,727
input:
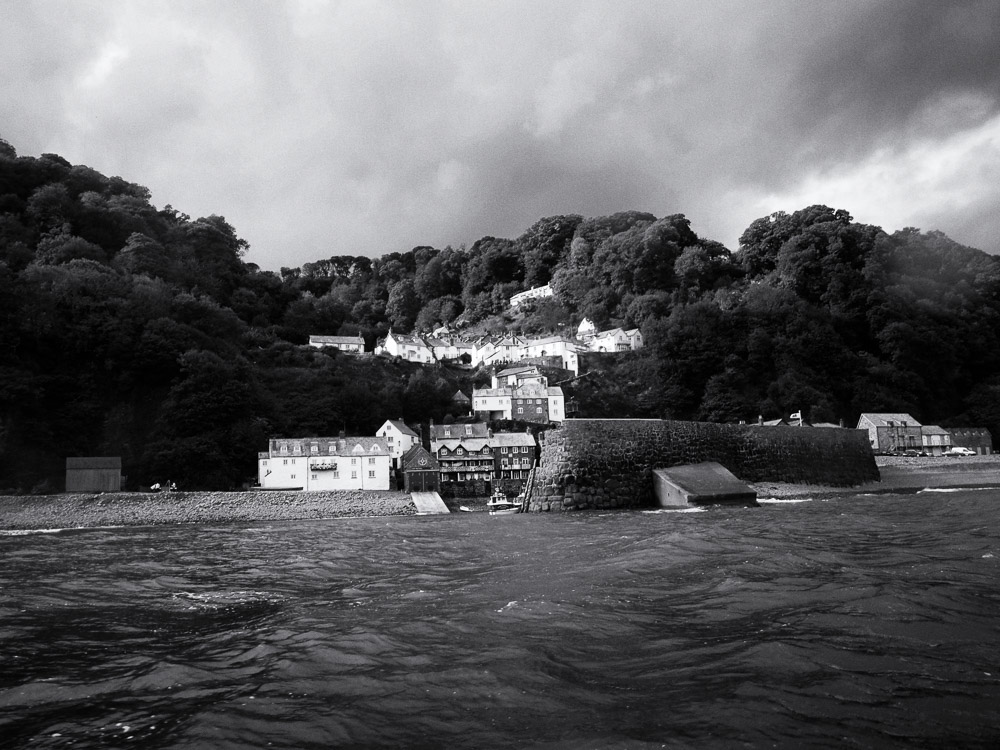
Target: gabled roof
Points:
x,y
411,459
883,419
335,340
329,446
401,427
458,429
553,340
933,429
403,338
473,445
507,439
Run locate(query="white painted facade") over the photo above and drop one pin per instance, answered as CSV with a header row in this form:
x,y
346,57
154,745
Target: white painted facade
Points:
x,y
399,437
536,292
322,463
352,344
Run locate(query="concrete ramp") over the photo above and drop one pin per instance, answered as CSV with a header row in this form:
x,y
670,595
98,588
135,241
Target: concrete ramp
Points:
x,y
428,503
707,483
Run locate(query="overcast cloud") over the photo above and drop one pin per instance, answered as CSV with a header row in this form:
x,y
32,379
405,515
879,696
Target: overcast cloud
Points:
x,y
361,127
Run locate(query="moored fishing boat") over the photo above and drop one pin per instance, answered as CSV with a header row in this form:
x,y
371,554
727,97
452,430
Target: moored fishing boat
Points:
x,y
499,503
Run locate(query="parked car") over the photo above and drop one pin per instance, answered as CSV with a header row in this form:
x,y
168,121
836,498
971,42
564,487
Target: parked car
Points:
x,y
959,451
913,453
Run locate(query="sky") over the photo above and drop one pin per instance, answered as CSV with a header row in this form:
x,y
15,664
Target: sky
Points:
x,y
363,127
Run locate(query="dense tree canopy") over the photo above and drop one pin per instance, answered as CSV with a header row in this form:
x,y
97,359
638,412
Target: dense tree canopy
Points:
x,y
141,332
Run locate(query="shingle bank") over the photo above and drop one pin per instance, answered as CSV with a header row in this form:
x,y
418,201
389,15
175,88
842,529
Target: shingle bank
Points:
x,y
609,463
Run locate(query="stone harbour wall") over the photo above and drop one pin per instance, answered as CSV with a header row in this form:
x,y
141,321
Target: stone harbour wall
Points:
x,y
609,463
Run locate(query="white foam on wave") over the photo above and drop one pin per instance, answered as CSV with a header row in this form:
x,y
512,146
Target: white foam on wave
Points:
x,y
677,510
782,500
955,489
25,532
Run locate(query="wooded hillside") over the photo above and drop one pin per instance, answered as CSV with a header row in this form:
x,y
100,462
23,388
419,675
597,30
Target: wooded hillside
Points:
x,y
141,332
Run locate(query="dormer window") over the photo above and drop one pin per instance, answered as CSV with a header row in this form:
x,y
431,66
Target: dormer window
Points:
x,y
468,429
375,449
447,432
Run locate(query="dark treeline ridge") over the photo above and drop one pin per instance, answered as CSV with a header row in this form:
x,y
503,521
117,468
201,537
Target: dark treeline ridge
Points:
x,y
132,331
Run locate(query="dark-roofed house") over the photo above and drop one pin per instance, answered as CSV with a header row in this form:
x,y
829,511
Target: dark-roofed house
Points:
x,y
352,344
935,440
889,433
421,470
94,474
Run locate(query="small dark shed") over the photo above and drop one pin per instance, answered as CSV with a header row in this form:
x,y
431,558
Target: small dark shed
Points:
x,y
421,470
94,474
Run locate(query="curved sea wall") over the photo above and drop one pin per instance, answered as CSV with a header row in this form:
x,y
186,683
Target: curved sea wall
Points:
x,y
609,463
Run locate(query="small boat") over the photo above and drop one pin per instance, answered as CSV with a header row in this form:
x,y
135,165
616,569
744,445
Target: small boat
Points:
x,y
499,503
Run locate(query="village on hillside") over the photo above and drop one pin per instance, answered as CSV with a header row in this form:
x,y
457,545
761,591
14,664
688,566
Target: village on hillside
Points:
x,y
468,458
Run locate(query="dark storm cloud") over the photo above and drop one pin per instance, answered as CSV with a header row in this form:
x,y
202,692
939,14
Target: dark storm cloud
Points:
x,y
364,127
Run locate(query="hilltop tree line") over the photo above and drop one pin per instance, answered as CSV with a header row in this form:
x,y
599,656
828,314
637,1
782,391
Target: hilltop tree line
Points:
x,y
141,332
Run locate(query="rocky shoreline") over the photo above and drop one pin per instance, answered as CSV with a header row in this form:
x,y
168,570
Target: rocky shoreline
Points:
x,y
21,512
26,512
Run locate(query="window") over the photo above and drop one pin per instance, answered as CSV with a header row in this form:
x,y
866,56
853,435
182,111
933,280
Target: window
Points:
x,y
538,410
371,461
264,462
354,462
459,451
354,475
314,448
447,432
314,477
371,474
285,462
468,429
293,476
336,475
284,450
293,462
390,440
520,410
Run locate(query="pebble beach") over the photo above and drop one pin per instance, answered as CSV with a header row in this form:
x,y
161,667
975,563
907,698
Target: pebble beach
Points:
x,y
64,511
73,510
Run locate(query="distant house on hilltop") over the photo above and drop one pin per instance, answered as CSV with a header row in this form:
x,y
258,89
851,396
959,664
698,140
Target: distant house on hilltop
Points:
x,y
410,348
534,293
352,344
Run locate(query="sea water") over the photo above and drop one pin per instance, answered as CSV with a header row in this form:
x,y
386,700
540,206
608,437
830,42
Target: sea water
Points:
x,y
855,621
